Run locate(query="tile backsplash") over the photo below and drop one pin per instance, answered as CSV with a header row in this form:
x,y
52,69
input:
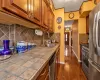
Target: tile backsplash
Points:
x,y
17,32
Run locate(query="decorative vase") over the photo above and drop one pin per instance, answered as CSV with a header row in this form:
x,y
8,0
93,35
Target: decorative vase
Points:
x,y
6,50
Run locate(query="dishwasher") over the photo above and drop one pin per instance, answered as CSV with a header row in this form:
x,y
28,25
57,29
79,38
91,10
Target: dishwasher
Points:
x,y
52,67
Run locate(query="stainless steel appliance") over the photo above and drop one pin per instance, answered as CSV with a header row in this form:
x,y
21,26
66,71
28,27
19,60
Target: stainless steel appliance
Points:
x,y
85,57
52,67
94,43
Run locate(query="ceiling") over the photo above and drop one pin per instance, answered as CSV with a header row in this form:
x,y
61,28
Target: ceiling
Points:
x,y
69,5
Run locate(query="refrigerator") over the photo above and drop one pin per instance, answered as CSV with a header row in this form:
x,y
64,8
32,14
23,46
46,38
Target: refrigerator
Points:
x,y
94,44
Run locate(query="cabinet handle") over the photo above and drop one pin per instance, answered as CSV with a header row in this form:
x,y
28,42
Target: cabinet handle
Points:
x,y
43,73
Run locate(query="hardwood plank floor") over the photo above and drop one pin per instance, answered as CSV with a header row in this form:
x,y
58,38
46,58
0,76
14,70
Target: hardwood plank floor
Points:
x,y
71,70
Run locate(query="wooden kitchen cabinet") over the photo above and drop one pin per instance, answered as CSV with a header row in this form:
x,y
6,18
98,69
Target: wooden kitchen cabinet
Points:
x,y
37,11
18,7
45,16
44,75
28,9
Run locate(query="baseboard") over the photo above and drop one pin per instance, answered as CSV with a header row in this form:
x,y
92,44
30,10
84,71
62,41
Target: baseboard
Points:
x,y
76,56
62,62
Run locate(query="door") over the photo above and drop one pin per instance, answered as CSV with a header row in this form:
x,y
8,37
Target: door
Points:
x,y
19,7
37,11
66,38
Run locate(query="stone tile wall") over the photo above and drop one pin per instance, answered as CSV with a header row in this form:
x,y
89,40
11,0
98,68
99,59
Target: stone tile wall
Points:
x,y
18,33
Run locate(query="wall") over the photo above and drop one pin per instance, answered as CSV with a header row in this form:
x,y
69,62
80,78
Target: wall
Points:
x,y
75,37
60,13
76,16
82,25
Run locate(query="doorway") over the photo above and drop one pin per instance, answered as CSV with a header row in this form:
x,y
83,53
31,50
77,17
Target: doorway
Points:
x,y
68,32
66,38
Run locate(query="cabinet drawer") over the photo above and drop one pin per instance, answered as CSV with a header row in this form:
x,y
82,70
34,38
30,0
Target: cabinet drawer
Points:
x,y
44,73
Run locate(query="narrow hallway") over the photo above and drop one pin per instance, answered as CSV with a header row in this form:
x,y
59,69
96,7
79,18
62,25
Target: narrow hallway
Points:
x,y
71,70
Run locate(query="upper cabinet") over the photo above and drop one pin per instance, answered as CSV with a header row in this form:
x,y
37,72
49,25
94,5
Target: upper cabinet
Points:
x,y
35,11
19,7
47,16
44,14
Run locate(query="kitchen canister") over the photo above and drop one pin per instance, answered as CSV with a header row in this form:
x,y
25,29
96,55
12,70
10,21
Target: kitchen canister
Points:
x,y
33,45
29,46
21,47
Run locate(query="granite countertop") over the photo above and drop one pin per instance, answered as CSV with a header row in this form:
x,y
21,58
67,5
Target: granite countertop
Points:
x,y
26,66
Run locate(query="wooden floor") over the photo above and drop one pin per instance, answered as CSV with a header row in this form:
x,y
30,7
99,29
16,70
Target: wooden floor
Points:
x,y
71,70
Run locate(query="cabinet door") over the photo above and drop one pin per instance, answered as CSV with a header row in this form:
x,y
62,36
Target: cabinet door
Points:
x,y
19,7
44,73
44,14
37,11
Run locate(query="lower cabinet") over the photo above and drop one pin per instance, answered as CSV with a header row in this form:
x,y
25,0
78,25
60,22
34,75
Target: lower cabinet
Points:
x,y
44,75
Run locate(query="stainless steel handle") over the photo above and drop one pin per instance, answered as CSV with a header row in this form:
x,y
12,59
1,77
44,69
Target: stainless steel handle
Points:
x,y
94,29
97,30
94,65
